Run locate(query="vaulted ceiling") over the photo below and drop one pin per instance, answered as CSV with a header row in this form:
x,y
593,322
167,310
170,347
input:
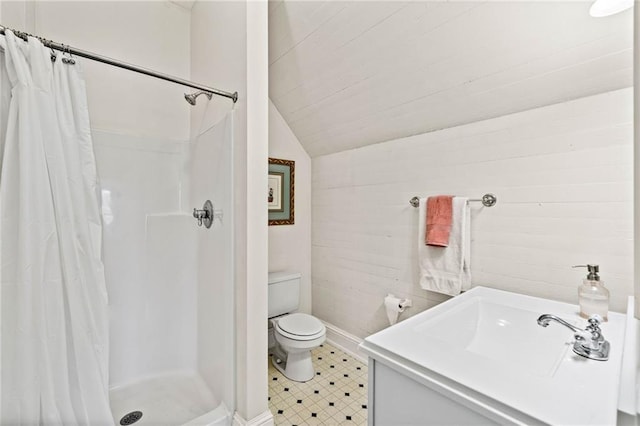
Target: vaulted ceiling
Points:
x,y
349,74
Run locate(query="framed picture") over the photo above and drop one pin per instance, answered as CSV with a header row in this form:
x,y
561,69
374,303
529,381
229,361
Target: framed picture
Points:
x,y
280,192
276,189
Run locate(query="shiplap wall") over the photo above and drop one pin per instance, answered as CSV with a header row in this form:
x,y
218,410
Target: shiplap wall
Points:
x,y
290,245
563,176
354,73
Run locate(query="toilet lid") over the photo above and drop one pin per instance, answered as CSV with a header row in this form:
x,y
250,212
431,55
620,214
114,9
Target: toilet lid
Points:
x,y
300,324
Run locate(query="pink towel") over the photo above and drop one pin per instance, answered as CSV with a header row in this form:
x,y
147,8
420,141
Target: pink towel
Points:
x,y
439,218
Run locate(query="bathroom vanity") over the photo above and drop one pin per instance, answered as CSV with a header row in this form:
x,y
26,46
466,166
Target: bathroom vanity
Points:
x,y
482,358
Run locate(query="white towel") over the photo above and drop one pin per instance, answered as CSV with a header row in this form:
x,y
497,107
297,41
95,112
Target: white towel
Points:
x,y
446,270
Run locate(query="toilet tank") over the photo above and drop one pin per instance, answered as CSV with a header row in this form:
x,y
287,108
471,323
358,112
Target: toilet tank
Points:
x,y
284,292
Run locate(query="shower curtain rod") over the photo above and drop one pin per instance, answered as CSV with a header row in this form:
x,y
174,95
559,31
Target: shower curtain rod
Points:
x,y
106,60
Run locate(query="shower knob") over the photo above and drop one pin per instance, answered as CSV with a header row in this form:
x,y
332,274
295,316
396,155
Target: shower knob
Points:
x,y
204,216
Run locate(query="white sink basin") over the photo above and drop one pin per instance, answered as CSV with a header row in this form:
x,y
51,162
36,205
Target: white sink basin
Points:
x,y
486,344
501,333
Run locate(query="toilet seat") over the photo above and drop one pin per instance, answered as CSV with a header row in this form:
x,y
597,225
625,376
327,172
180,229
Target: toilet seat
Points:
x,y
300,327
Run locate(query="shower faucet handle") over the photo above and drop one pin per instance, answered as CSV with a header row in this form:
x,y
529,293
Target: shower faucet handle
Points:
x,y
199,215
205,215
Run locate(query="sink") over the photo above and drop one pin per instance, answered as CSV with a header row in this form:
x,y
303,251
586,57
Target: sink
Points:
x,y
485,351
501,333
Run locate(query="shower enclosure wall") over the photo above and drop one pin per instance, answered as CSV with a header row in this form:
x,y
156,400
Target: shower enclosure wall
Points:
x,y
169,281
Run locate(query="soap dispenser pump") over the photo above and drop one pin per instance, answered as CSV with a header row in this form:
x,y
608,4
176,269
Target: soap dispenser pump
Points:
x,y
592,294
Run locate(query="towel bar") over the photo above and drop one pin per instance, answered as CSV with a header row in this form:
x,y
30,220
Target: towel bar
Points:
x,y
487,200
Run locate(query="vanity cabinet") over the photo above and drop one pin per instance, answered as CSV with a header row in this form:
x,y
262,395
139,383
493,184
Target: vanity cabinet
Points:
x,y
398,397
482,358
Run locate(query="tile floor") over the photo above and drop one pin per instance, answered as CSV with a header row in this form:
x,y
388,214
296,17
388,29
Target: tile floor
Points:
x,y
336,396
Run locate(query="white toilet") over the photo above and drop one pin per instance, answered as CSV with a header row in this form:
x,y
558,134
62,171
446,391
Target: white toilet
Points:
x,y
295,334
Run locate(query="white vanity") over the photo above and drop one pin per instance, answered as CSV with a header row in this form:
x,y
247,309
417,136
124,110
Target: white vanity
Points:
x,y
482,358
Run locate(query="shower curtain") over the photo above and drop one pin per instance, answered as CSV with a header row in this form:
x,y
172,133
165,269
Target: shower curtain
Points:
x,y
53,310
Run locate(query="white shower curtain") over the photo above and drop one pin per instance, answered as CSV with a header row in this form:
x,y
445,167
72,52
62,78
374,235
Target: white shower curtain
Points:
x,y
53,312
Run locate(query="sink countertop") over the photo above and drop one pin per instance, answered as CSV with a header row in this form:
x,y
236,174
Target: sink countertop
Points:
x,y
536,372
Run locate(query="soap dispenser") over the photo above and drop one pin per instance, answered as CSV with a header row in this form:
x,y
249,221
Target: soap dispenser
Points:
x,y
593,296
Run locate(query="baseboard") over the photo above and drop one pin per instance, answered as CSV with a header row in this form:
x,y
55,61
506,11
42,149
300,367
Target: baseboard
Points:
x,y
264,419
345,341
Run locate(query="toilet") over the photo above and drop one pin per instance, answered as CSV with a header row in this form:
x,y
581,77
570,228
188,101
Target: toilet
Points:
x,y
296,334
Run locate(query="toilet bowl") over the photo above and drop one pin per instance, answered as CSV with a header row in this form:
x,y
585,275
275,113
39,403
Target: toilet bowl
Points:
x,y
296,335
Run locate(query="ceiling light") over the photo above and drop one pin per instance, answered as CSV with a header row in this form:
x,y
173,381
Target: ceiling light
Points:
x,y
601,8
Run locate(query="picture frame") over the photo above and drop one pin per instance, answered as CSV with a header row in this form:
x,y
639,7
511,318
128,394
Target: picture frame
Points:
x,y
280,192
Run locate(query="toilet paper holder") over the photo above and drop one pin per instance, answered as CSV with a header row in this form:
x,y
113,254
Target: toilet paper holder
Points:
x,y
402,303
394,306
405,303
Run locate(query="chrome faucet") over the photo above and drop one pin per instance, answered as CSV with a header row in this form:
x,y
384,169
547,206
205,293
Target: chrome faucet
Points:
x,y
589,342
545,319
206,215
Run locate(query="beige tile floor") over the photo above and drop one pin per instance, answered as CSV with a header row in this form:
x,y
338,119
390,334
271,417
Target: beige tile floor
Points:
x,y
337,395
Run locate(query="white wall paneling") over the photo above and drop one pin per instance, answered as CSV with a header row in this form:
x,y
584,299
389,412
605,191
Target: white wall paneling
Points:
x,y
349,74
563,176
290,245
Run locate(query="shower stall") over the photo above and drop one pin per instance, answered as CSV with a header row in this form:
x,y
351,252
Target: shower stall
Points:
x,y
169,280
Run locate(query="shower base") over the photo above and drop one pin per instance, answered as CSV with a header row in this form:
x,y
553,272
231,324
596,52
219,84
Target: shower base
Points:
x,y
175,399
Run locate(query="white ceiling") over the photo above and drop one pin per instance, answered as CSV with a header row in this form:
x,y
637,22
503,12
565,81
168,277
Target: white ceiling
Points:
x,y
349,74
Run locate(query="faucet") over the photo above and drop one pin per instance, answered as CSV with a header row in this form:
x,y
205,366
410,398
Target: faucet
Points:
x,y
590,342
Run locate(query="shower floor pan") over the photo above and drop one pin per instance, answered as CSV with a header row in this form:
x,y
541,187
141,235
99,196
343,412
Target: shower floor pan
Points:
x,y
175,399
